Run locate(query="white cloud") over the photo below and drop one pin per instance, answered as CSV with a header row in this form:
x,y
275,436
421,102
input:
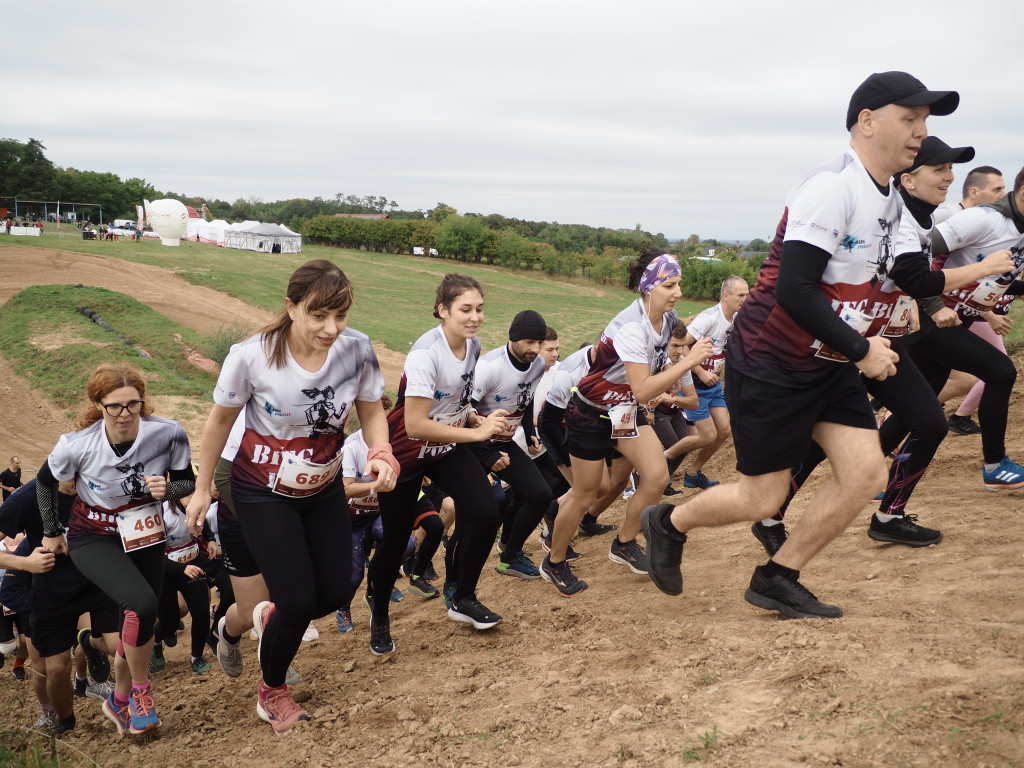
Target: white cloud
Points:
x,y
686,118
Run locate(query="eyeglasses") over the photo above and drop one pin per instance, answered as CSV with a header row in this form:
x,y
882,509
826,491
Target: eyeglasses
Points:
x,y
116,409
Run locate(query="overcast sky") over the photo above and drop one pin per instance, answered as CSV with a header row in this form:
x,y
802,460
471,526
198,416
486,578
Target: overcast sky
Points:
x,y
682,117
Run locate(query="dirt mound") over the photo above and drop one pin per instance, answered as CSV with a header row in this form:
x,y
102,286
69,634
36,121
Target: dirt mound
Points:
x,y
925,669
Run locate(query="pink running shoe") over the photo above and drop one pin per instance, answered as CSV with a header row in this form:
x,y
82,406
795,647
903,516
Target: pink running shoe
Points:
x,y
279,709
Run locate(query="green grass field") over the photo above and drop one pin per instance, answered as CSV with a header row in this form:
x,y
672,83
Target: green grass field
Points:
x,y
61,370
394,304
394,293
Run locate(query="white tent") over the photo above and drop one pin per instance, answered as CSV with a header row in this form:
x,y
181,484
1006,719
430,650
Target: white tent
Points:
x,y
265,238
206,231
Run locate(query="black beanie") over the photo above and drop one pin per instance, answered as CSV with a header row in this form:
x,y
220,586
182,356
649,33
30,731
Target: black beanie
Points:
x,y
527,325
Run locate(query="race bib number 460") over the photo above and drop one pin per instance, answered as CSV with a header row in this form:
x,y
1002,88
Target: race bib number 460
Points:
x,y
140,527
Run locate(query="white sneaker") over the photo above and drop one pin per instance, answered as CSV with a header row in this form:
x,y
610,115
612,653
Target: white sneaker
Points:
x,y
260,616
311,634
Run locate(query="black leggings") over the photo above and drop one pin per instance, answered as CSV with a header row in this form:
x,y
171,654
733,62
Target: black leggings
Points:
x,y
217,576
433,530
940,350
132,580
907,396
197,597
476,523
533,496
303,548
670,429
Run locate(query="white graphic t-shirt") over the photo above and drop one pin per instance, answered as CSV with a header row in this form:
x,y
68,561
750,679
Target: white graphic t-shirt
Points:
x,y
291,413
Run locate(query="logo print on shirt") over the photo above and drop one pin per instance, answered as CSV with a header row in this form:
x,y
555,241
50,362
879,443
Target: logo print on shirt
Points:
x,y
525,396
133,486
320,413
885,257
439,395
467,390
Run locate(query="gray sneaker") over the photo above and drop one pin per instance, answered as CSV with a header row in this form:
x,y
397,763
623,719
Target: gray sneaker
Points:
x,y
100,691
291,677
45,722
228,656
630,554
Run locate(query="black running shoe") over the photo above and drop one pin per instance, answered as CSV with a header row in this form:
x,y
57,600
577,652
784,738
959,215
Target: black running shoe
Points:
x,y
469,610
570,553
380,636
670,491
790,598
903,530
594,528
562,577
63,725
95,661
963,425
772,537
664,550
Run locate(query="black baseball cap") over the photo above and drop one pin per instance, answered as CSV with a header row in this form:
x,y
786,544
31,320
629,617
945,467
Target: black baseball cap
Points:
x,y
883,88
934,151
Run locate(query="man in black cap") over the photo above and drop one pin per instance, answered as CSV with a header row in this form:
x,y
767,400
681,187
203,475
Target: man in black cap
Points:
x,y
818,306
506,378
922,188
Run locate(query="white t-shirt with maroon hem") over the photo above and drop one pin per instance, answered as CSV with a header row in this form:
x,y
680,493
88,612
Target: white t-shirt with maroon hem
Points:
x,y
570,372
970,236
839,209
433,371
711,324
352,465
108,483
628,338
498,384
290,410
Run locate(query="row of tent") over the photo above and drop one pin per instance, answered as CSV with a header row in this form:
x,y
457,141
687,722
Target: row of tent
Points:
x,y
248,236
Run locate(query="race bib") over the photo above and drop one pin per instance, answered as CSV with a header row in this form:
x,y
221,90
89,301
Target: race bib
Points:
x,y
859,321
140,527
623,418
985,296
365,503
899,323
509,431
185,554
298,477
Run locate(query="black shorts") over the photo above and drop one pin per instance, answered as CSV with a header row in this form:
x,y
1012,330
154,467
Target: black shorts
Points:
x,y
772,425
55,617
237,558
589,433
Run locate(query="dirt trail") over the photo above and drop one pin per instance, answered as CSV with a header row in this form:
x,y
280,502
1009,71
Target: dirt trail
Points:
x,y
925,669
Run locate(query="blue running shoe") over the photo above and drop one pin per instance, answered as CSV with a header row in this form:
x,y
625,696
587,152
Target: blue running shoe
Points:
x,y
119,716
698,480
449,593
344,618
521,567
1008,474
142,712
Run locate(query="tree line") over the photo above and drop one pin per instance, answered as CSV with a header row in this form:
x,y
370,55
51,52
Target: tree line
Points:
x,y
599,254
